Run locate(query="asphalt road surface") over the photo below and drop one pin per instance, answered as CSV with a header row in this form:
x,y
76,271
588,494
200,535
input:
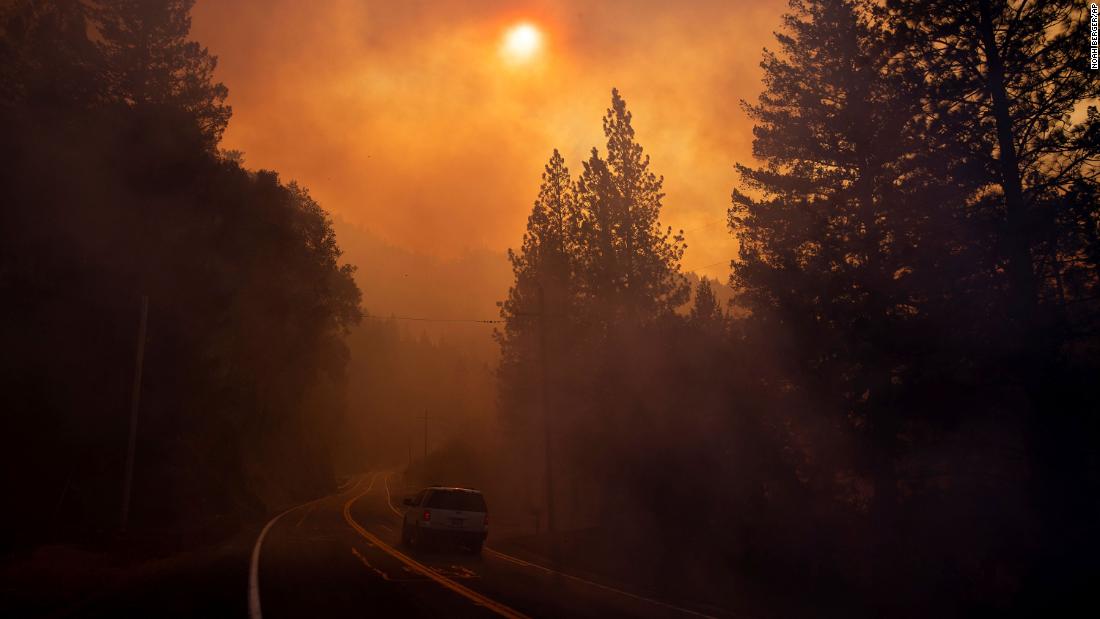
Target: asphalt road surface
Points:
x,y
341,556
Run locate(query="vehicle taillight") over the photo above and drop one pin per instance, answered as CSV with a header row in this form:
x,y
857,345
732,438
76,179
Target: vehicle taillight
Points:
x,y
427,515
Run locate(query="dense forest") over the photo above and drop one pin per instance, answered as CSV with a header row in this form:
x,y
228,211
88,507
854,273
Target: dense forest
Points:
x,y
888,408
897,413
115,191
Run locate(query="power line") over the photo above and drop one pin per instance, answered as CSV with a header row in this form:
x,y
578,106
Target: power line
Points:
x,y
499,321
421,319
706,266
709,224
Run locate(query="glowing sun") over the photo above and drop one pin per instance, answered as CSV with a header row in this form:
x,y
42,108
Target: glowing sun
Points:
x,y
522,42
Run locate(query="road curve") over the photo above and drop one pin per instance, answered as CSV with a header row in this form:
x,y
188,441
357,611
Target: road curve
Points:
x,y
341,556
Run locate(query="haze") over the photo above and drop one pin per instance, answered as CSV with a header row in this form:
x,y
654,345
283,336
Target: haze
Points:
x,y
616,308
402,118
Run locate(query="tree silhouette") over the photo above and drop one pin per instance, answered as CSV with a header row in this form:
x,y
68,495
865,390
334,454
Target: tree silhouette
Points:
x,y
544,292
150,62
904,149
1004,95
116,191
834,249
704,309
48,60
1003,90
630,267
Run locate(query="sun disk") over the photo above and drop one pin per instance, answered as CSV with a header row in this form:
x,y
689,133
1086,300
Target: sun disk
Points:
x,y
521,42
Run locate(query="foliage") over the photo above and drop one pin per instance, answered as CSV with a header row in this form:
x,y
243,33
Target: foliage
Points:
x,y
906,232
629,266
149,61
114,190
916,285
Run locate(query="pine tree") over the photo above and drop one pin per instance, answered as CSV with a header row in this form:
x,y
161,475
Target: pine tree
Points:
x,y
544,288
630,267
46,57
1006,83
1004,80
546,257
842,230
151,62
705,307
925,173
828,233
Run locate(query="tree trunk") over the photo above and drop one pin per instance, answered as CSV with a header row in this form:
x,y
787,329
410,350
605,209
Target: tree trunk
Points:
x,y
1020,268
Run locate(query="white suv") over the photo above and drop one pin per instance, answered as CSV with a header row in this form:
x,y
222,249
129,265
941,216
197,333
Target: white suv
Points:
x,y
436,514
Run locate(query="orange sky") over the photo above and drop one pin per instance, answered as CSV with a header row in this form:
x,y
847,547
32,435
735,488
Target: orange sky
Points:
x,y
402,117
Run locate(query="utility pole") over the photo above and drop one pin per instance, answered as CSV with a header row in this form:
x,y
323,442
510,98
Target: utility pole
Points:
x,y
545,397
135,402
425,417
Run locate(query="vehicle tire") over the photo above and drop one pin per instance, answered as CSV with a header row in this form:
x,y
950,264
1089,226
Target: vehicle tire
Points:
x,y
406,539
419,539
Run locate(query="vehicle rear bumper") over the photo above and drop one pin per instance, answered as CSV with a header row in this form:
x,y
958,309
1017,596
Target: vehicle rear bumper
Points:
x,y
466,537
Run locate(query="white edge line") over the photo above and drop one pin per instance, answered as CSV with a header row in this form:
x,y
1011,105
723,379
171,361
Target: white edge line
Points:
x,y
389,501
254,611
470,594
521,562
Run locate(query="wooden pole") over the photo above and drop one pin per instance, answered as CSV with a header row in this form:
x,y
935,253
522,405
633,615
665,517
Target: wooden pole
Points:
x,y
135,402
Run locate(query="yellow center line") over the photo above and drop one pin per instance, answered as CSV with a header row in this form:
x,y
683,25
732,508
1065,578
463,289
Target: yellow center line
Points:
x,y
417,566
590,583
254,608
547,570
384,575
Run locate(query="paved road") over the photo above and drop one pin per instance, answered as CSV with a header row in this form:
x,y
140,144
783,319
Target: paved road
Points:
x,y
341,556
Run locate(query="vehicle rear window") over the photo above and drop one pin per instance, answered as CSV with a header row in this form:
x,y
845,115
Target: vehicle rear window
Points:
x,y
450,499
